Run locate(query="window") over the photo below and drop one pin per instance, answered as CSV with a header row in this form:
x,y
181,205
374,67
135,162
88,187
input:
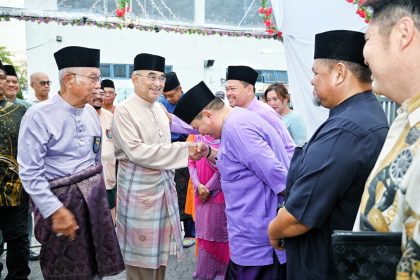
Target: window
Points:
x,y
272,76
122,71
105,70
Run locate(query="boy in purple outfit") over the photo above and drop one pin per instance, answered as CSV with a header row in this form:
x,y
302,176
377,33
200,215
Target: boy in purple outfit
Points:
x,y
252,179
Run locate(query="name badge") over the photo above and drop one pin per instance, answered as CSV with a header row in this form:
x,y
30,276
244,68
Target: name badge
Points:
x,y
96,144
108,133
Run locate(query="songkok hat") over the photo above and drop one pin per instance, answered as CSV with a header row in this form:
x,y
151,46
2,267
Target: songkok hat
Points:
x,y
10,70
171,82
145,61
341,45
193,102
77,57
107,83
242,73
2,67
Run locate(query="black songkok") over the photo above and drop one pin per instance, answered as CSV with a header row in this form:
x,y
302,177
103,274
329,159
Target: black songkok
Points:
x,y
145,61
10,70
242,73
2,67
193,102
341,45
77,57
107,83
171,82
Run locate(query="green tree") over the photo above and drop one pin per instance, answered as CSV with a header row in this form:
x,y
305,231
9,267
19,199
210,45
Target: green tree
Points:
x,y
7,57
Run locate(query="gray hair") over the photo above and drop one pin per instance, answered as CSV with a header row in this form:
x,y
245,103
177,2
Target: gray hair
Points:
x,y
64,71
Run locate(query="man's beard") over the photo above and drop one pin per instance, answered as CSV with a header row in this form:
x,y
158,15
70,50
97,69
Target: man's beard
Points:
x,y
316,100
97,107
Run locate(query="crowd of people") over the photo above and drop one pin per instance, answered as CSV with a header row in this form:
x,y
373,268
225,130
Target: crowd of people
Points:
x,y
116,188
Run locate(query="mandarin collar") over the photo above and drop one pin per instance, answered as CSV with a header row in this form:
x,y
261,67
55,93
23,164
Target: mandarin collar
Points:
x,y
143,102
348,103
66,106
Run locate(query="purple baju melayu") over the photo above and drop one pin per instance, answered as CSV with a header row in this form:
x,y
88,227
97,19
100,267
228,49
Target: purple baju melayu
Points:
x,y
275,120
252,178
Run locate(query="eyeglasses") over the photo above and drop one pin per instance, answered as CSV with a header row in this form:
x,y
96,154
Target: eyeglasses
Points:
x,y
43,83
93,79
153,78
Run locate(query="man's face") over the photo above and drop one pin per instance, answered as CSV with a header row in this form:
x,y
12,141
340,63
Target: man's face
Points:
x,y
207,124
148,84
41,85
96,98
173,96
12,87
237,94
109,96
3,78
88,83
323,83
378,53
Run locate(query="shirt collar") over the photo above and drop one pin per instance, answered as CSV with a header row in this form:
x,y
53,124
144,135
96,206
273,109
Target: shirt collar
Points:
x,y
66,106
348,102
412,107
253,103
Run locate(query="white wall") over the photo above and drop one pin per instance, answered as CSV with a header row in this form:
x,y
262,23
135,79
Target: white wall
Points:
x,y
186,53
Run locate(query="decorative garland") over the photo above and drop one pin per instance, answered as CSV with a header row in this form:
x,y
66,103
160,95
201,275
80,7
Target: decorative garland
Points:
x,y
266,13
123,6
152,27
271,29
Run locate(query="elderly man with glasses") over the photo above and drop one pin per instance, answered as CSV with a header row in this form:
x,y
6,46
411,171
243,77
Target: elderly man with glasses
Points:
x,y
148,222
40,82
59,165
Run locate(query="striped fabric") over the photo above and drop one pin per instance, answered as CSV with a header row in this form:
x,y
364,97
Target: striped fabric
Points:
x,y
148,223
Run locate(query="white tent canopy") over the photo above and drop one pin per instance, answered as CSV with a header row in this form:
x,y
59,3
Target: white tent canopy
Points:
x,y
300,20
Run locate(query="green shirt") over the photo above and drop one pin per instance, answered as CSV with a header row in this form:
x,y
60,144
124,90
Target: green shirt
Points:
x,y
11,191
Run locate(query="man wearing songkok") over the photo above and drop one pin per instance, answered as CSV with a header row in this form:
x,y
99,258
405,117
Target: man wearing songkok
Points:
x,y
240,91
252,178
326,176
11,90
109,95
40,82
148,222
172,92
14,201
12,87
391,200
107,149
59,164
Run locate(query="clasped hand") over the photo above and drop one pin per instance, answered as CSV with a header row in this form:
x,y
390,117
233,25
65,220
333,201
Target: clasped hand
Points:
x,y
196,151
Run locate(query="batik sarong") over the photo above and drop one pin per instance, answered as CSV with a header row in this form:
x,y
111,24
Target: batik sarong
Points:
x,y
95,251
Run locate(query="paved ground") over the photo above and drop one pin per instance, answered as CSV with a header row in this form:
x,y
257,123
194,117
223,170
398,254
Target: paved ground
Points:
x,y
175,271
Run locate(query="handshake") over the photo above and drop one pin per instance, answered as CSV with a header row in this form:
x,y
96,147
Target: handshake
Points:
x,y
196,151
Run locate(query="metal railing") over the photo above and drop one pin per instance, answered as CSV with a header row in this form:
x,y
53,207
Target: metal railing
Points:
x,y
390,108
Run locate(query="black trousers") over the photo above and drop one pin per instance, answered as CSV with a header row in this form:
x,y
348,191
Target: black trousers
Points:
x,y
14,226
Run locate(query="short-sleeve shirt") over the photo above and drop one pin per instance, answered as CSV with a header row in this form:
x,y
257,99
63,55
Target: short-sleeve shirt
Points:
x,y
326,181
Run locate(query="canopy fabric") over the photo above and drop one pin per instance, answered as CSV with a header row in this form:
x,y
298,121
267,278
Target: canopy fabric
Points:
x,y
300,20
